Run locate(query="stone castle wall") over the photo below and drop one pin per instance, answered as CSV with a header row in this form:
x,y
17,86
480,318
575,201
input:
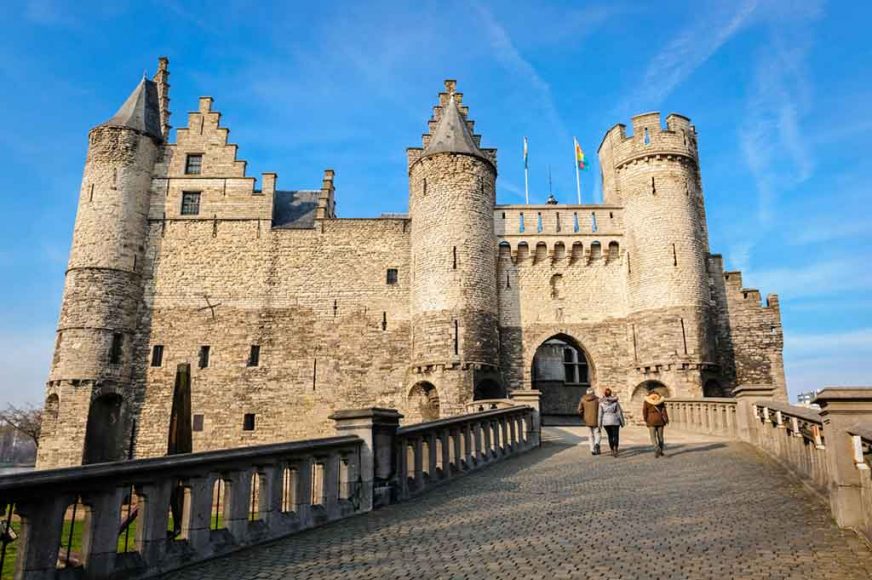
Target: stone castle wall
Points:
x,y
479,288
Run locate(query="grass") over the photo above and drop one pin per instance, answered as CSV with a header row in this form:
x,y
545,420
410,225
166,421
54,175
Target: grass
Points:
x,y
78,529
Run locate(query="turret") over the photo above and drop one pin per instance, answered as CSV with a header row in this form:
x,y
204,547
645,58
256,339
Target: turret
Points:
x,y
654,174
88,388
455,343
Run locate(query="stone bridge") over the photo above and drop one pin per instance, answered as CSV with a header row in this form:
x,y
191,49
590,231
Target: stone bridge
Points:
x,y
749,488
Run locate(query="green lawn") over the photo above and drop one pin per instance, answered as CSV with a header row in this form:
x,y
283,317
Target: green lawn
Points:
x,y
76,544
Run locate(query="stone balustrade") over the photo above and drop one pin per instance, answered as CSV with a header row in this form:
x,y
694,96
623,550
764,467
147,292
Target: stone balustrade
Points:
x,y
709,415
191,507
433,452
828,449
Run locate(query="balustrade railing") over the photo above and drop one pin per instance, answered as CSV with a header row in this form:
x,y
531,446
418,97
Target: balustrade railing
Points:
x,y
861,439
432,452
147,516
709,415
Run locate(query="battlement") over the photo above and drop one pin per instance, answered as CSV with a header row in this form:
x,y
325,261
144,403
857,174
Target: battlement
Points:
x,y
648,138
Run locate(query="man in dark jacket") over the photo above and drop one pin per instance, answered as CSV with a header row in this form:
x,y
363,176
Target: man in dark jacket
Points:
x,y
588,408
654,414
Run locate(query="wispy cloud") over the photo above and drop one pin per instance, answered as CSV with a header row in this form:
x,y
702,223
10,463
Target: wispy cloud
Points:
x,y
822,277
511,59
685,54
814,361
770,136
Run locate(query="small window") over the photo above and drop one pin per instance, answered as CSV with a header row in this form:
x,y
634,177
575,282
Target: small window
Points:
x,y
204,356
539,222
392,275
115,349
157,355
521,223
593,222
248,422
197,424
190,203
194,164
254,355
575,226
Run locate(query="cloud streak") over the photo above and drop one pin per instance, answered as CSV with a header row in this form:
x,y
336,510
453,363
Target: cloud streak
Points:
x,y
512,60
684,55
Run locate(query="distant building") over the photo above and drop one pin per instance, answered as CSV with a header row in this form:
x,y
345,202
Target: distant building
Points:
x,y
805,399
287,312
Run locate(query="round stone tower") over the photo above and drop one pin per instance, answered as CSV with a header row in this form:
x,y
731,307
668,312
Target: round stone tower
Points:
x,y
88,394
455,341
654,174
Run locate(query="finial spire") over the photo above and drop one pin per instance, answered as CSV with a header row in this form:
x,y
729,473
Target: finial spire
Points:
x,y
161,78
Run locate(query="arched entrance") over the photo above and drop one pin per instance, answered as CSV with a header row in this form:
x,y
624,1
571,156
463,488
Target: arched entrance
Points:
x,y
561,371
638,399
713,388
423,403
488,389
103,434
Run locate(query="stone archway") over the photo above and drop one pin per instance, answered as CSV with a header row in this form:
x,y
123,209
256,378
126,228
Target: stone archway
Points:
x,y
561,371
714,388
488,389
638,398
104,439
423,403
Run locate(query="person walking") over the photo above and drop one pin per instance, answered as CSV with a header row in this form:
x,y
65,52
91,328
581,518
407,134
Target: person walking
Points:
x,y
611,417
656,418
588,408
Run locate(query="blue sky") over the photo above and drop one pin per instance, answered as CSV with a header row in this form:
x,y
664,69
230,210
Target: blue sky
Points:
x,y
780,92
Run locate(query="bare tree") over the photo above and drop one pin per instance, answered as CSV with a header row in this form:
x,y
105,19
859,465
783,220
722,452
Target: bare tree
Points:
x,y
26,420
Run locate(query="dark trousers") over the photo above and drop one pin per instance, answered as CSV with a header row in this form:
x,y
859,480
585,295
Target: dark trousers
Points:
x,y
614,432
656,437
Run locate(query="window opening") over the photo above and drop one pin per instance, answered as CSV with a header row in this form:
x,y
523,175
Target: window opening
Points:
x,y
194,164
115,349
190,203
157,355
248,422
204,356
575,226
254,355
391,276
197,423
521,223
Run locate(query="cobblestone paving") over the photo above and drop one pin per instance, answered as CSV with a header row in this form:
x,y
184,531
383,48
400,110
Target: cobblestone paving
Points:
x,y
710,509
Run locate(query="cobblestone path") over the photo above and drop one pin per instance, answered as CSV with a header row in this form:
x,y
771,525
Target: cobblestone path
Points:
x,y
710,509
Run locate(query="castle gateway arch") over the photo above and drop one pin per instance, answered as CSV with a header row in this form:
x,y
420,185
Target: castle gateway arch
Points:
x,y
562,373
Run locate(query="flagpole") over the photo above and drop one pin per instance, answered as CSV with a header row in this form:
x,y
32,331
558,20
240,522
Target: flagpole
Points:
x,y
526,180
577,172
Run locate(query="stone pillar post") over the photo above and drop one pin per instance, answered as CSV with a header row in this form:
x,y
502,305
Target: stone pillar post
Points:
x,y
41,527
745,395
100,541
531,399
841,408
378,429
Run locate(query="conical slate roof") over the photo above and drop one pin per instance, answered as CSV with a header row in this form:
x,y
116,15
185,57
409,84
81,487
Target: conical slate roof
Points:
x,y
141,111
451,134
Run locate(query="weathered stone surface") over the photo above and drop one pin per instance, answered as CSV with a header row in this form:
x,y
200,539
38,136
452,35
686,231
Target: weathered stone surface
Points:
x,y
709,509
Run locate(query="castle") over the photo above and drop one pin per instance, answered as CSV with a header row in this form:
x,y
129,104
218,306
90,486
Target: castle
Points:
x,y
286,312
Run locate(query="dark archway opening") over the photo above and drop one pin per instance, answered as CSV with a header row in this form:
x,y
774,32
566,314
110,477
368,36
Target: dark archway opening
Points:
x,y
423,403
561,371
638,399
713,388
488,389
104,439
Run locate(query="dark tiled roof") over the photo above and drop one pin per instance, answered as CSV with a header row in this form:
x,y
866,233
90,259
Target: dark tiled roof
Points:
x,y
295,209
141,111
451,134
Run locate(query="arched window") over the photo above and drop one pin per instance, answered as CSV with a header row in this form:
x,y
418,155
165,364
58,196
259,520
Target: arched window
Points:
x,y
614,251
596,251
423,403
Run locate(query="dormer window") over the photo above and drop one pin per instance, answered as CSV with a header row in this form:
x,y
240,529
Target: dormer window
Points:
x,y
194,164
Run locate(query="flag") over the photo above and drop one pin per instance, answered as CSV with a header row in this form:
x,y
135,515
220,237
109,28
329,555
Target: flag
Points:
x,y
579,156
525,153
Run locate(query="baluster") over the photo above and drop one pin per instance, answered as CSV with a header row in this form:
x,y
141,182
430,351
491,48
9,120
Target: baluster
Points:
x,y
477,437
431,456
197,512
100,540
331,485
447,443
237,503
42,521
151,528
303,492
419,462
